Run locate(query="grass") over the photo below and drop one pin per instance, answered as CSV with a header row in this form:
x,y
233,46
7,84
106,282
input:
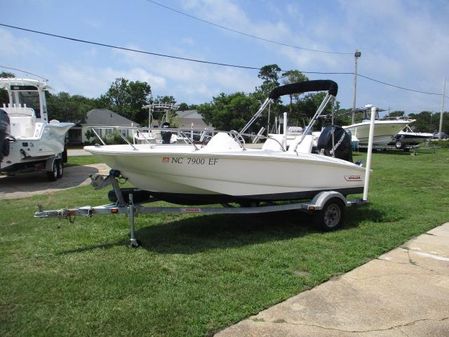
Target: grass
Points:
x,y
195,275
81,160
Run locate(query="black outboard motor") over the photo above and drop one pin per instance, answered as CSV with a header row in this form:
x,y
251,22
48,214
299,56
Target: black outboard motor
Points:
x,y
4,133
339,147
166,134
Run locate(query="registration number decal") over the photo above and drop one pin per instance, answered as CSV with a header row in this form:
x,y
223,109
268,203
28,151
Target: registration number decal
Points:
x,y
190,161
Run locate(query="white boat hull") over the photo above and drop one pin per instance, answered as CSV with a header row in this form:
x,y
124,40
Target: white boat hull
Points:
x,y
27,138
178,171
25,150
408,138
384,131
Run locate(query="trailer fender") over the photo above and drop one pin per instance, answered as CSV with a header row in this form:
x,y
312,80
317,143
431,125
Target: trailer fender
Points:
x,y
49,163
322,198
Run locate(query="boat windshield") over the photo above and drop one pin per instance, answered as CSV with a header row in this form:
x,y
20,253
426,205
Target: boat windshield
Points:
x,y
28,95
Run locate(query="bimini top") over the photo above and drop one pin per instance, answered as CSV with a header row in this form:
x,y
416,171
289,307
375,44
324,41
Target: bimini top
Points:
x,y
306,86
10,83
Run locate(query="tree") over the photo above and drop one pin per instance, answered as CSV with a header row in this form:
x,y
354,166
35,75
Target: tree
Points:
x,y
127,98
165,100
293,76
427,121
64,107
396,114
183,106
5,74
230,112
308,105
270,76
3,93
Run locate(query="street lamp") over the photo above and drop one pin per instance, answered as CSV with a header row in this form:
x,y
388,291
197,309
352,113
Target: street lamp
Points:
x,y
357,54
440,129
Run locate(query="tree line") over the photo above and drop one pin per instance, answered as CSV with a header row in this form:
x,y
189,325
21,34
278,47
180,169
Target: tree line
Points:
x,y
224,112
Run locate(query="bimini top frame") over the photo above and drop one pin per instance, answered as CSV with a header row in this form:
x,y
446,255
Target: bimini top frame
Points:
x,y
298,88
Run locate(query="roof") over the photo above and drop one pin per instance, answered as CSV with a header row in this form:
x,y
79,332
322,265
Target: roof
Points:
x,y
191,118
105,117
189,114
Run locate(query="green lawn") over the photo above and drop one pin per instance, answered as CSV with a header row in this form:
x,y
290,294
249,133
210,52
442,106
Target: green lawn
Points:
x,y
81,160
195,275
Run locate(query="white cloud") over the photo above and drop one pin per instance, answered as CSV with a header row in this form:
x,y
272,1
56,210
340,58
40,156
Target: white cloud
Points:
x,y
14,46
228,14
188,81
93,82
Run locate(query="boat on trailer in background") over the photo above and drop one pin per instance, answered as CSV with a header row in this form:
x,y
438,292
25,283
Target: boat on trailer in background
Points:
x,y
407,138
384,129
28,141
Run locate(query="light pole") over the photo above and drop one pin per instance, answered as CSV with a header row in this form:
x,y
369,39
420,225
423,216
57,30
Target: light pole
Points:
x,y
357,54
442,110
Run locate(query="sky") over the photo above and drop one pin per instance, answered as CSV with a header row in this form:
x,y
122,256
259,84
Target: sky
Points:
x,y
402,42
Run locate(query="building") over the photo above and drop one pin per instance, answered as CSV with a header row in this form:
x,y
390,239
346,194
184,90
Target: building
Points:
x,y
105,122
191,119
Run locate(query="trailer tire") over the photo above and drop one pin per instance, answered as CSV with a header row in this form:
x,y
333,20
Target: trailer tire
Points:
x,y
64,155
331,216
53,174
399,144
60,168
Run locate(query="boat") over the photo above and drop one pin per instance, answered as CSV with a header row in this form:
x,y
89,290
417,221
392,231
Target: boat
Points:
x,y
28,141
225,170
384,129
407,138
153,134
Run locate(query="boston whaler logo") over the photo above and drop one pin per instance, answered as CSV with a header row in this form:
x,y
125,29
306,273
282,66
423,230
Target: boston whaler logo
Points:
x,y
353,178
165,159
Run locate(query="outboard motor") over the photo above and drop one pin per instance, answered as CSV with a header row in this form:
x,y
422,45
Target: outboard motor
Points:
x,y
166,134
335,141
4,132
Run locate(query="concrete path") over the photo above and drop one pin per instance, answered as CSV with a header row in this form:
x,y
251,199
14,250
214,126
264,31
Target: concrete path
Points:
x,y
24,186
402,293
77,152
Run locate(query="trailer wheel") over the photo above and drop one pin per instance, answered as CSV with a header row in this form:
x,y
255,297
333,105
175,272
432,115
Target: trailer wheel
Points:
x,y
331,216
60,168
64,155
399,144
53,174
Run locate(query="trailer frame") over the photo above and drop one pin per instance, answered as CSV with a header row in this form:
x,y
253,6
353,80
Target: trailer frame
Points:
x,y
327,207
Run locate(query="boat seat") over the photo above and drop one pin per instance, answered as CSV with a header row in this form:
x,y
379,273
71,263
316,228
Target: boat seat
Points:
x,y
273,143
221,142
22,127
304,147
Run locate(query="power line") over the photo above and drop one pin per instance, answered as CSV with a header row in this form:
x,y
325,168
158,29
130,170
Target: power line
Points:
x,y
23,71
399,87
245,34
128,49
201,61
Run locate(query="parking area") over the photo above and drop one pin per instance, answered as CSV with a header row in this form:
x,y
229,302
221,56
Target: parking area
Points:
x,y
23,186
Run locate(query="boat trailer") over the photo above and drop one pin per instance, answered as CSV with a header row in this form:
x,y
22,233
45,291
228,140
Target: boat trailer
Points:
x,y
327,207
